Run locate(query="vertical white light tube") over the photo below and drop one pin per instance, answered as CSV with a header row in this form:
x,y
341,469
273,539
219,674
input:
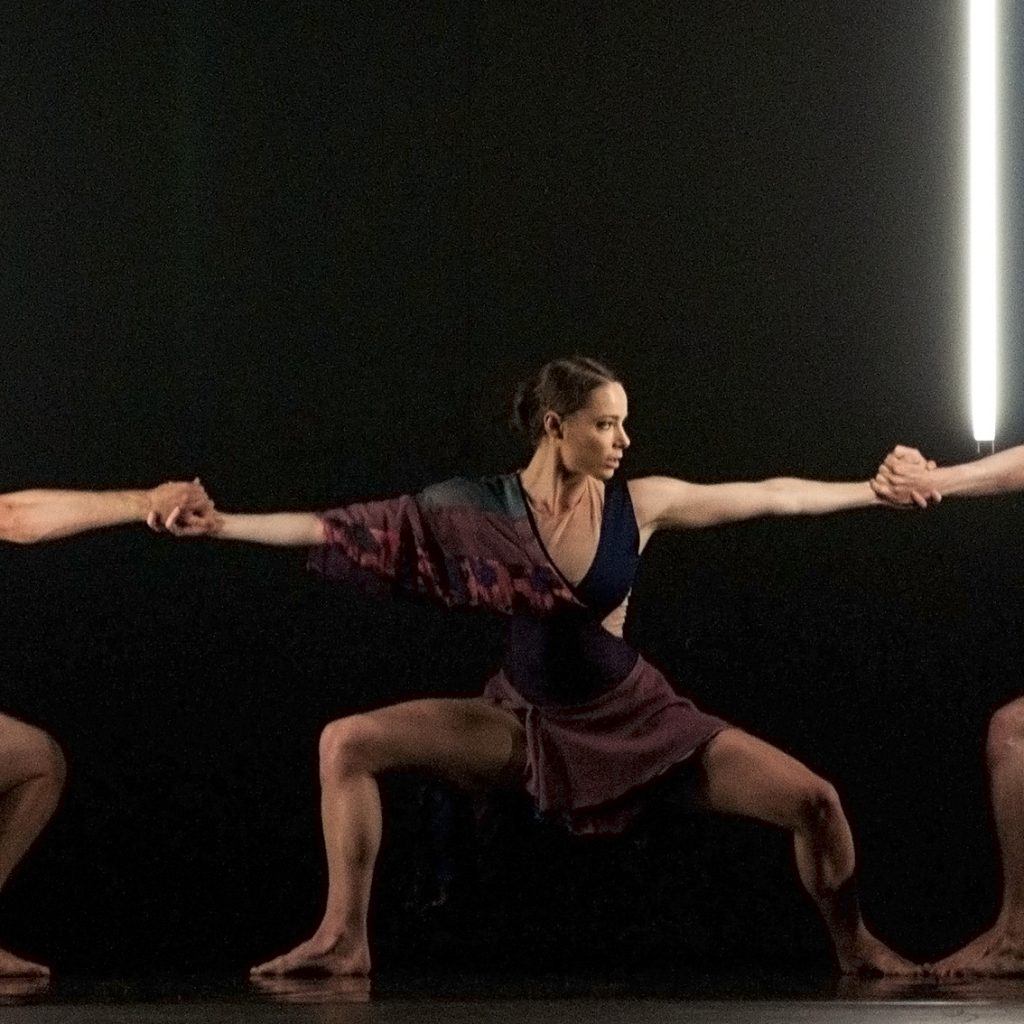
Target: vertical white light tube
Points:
x,y
983,252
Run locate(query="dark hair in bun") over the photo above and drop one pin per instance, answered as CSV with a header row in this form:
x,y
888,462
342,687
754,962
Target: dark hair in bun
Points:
x,y
562,386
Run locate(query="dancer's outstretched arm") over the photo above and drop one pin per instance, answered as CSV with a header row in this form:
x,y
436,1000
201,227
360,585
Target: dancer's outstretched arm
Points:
x,y
906,471
666,503
31,516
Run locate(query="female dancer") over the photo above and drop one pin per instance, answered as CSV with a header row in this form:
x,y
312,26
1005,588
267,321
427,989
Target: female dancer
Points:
x,y
904,475
576,715
32,766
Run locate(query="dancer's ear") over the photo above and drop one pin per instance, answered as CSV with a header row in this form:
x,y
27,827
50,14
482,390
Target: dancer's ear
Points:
x,y
552,424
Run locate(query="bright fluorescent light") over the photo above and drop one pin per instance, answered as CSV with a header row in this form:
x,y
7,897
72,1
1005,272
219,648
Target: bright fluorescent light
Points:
x,y
984,224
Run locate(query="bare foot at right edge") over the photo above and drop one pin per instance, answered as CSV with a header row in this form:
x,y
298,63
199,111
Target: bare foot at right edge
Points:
x,y
12,966
993,954
869,957
332,956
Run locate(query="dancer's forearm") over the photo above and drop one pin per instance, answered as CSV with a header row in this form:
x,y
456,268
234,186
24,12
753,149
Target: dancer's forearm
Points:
x,y
27,517
280,529
993,474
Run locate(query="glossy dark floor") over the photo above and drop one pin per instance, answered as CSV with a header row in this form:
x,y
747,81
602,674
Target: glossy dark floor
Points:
x,y
511,1000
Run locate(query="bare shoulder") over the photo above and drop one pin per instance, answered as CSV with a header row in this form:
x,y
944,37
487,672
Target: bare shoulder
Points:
x,y
654,498
667,503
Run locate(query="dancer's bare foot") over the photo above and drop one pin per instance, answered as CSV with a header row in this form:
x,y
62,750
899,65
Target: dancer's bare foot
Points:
x,y
332,989
12,966
997,953
869,957
898,988
322,955
14,991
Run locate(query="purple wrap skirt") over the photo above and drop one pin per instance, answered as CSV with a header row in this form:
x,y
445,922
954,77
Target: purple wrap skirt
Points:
x,y
589,763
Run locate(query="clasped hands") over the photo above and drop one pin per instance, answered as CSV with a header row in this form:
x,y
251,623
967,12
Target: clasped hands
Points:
x,y
905,479
183,509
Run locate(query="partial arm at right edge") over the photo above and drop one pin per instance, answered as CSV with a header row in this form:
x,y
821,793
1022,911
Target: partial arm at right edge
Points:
x,y
994,474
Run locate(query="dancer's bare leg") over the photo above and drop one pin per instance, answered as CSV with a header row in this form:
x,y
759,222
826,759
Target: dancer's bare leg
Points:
x,y
469,742
32,772
1000,950
745,776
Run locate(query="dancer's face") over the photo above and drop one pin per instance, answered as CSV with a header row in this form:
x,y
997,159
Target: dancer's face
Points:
x,y
592,440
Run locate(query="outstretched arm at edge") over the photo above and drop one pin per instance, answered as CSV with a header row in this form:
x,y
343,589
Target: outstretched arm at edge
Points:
x,y
32,516
993,474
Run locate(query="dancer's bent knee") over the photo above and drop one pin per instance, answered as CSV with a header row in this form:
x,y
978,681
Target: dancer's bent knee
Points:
x,y
34,755
1006,733
53,764
819,809
350,746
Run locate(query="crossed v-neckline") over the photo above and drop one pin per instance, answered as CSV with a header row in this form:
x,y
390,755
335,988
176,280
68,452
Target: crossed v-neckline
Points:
x,y
576,588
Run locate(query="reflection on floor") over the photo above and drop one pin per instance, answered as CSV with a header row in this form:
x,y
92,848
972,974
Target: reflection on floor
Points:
x,y
714,999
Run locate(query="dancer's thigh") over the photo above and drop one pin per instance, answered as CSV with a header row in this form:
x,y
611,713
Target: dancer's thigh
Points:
x,y
468,741
743,775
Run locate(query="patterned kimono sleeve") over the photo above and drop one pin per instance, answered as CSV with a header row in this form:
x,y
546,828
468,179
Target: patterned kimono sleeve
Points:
x,y
458,544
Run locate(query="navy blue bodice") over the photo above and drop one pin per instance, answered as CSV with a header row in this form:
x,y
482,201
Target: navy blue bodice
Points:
x,y
610,577
570,657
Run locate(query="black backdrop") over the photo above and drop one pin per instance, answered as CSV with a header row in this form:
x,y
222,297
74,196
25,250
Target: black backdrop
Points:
x,y
304,251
